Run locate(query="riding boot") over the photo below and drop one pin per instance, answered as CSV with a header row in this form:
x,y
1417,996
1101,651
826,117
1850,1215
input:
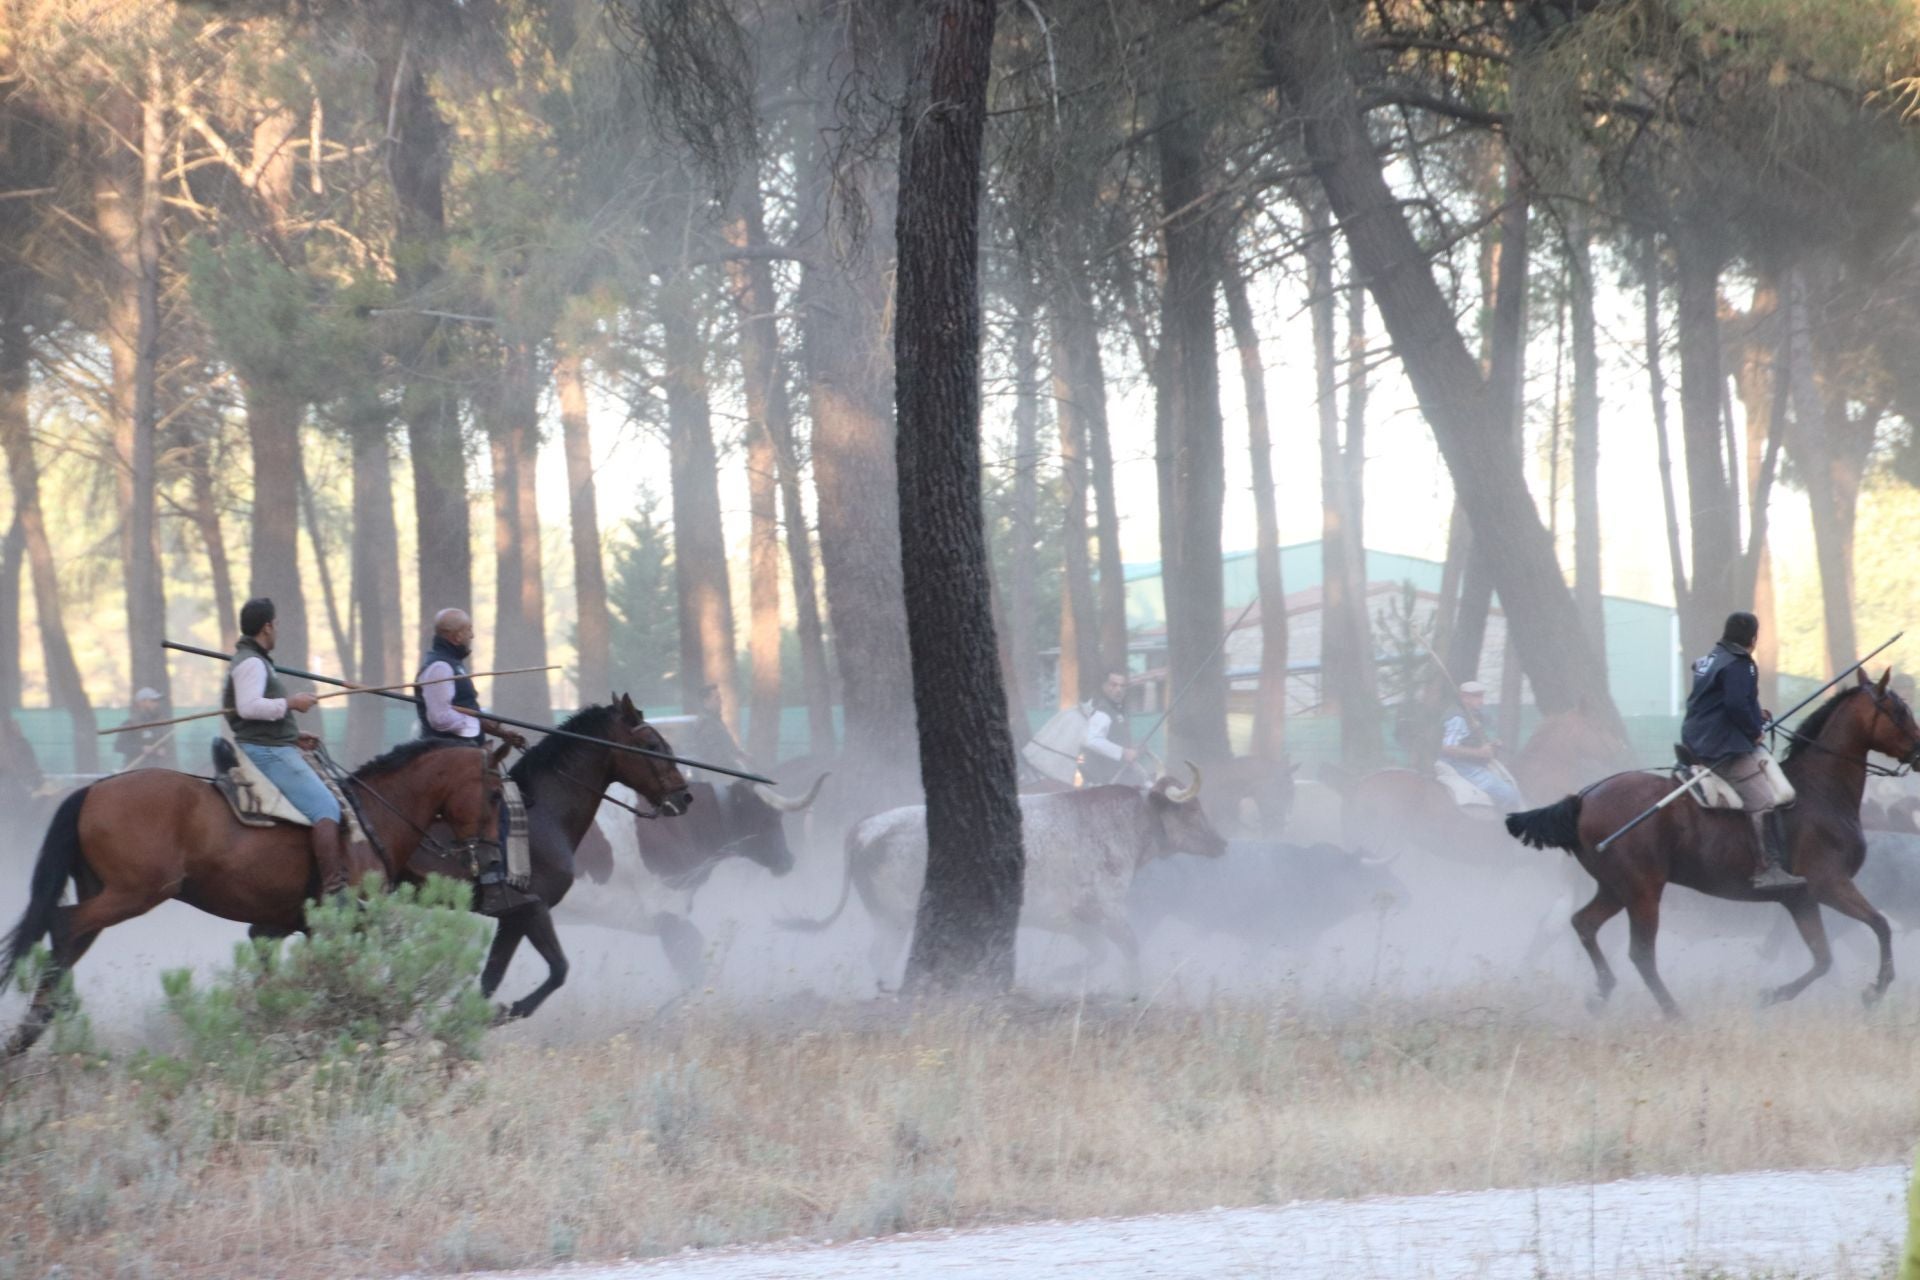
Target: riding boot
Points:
x,y
496,896
1770,831
331,857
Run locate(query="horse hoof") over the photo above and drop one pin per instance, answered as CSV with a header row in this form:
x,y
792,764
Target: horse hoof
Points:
x,y
503,1014
1871,997
1596,1005
1770,997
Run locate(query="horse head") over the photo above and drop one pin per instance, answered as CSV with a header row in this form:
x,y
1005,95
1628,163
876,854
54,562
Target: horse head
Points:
x,y
1892,730
655,777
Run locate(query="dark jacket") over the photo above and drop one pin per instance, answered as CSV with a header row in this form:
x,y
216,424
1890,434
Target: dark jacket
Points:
x,y
1723,711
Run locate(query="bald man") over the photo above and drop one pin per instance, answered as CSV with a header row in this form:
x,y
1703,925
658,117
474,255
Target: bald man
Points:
x,y
451,709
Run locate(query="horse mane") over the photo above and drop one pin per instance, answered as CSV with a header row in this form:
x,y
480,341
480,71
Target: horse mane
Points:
x,y
1811,727
592,722
400,757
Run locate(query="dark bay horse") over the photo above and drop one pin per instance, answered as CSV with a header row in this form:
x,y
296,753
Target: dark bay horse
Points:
x,y
134,840
563,781
1713,851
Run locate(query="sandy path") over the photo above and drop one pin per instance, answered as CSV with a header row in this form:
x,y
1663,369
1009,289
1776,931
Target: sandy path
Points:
x,y
1800,1223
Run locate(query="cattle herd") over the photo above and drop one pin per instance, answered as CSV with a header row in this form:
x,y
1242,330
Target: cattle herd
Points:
x,y
1113,869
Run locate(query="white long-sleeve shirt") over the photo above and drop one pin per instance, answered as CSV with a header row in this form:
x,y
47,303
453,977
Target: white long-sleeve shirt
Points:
x,y
442,715
250,701
1098,726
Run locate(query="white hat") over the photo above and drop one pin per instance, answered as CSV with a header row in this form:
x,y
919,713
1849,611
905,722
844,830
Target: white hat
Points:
x,y
1473,686
147,694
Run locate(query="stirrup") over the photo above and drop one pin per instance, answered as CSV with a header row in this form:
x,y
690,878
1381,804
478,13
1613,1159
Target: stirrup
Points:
x,y
1770,876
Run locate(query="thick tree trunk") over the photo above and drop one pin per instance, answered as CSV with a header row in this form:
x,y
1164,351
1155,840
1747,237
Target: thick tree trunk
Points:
x,y
1709,488
1360,703
12,556
375,572
1834,459
583,518
1080,661
1657,391
970,903
1080,391
127,216
64,687
519,633
699,544
273,436
765,385
844,317
1020,669
1270,708
206,520
341,628
1761,379
1195,484
1587,597
1470,419
417,161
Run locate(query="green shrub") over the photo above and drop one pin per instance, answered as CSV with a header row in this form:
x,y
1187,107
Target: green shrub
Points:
x,y
390,976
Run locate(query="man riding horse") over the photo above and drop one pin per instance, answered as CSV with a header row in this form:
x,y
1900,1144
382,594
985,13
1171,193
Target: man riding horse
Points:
x,y
1725,730
450,712
1473,753
260,713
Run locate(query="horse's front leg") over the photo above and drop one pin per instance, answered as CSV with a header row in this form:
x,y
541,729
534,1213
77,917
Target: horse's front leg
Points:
x,y
537,925
508,931
1845,897
1813,931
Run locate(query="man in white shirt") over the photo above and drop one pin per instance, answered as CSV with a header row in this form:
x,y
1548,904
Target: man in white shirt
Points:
x,y
260,712
451,708
1107,751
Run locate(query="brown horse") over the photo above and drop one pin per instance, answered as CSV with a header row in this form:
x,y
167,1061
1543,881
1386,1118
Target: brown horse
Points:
x,y
1713,852
1393,809
134,840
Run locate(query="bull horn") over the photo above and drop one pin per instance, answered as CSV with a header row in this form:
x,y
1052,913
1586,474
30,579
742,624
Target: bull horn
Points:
x,y
787,804
1190,792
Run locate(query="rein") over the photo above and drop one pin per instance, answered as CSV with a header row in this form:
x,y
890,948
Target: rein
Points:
x,y
1900,770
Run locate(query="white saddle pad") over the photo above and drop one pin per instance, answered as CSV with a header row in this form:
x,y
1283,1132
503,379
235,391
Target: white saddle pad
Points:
x,y
1469,797
259,797
1711,791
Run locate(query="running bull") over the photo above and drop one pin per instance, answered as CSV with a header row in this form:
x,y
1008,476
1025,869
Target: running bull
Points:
x,y
1083,851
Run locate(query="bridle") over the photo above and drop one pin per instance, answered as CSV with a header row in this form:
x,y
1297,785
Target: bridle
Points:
x,y
1905,764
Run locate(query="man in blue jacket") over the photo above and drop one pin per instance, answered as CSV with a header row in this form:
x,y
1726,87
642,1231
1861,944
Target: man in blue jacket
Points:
x,y
1725,729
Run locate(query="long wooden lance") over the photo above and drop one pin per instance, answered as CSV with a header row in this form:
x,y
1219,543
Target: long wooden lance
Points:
x,y
490,715
347,691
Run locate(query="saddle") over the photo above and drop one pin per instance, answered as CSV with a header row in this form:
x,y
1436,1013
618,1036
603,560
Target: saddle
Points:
x,y
256,802
1471,800
1708,789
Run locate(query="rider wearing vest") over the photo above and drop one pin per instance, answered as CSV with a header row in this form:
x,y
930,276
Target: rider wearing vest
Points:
x,y
1473,753
1724,729
1108,747
450,710
260,712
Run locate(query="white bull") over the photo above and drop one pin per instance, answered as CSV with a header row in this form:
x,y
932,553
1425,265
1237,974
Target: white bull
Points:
x,y
1083,848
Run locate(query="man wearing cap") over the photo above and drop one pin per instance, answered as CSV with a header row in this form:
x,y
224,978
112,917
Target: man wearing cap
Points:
x,y
260,712
1726,727
1473,753
144,747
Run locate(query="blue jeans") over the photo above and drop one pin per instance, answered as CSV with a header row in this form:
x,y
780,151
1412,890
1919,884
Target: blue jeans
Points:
x,y
287,769
1497,788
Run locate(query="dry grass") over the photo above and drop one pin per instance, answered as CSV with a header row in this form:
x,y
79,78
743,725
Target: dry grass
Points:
x,y
832,1122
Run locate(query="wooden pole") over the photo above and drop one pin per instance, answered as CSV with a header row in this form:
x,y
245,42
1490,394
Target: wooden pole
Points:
x,y
337,693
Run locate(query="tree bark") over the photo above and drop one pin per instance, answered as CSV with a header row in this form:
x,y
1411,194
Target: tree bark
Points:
x,y
1017,598
1360,705
1709,488
1657,390
1470,418
273,438
12,556
970,902
765,386
699,544
1270,708
1587,595
519,633
341,628
844,318
1192,572
1833,446
594,626
375,572
1080,661
65,689
206,519
417,164
127,215
1762,381
1080,392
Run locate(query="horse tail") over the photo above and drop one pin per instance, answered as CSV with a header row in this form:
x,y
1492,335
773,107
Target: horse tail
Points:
x,y
59,862
1555,827
800,924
